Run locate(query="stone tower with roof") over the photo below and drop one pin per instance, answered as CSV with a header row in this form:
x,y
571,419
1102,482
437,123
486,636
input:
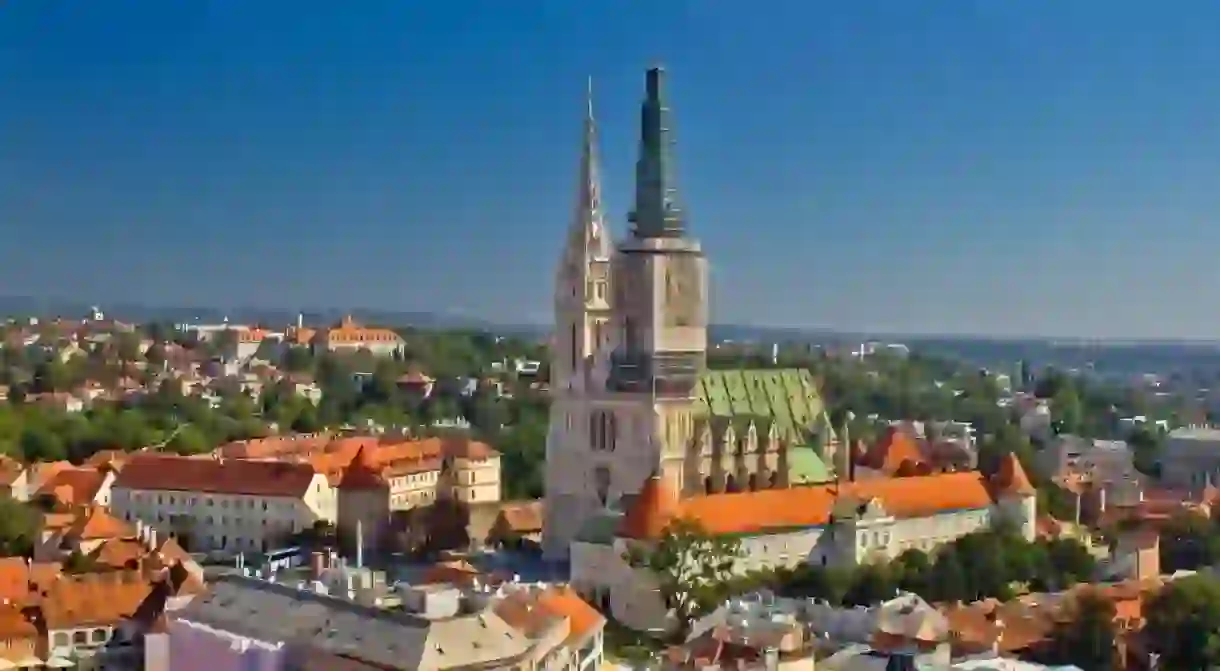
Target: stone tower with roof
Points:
x,y
362,505
630,341
631,393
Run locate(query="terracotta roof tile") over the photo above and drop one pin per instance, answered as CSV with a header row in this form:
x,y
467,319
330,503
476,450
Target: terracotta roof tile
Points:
x,y
217,476
753,512
120,553
96,523
522,516
19,577
583,618
94,599
364,472
14,624
892,451
1011,478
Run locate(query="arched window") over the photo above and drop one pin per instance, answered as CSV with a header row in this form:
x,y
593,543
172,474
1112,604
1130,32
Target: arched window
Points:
x,y
575,351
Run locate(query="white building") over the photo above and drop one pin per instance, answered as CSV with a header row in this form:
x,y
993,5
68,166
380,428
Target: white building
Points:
x,y
847,523
229,505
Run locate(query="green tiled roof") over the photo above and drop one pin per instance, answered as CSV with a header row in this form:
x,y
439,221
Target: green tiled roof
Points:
x,y
805,467
787,397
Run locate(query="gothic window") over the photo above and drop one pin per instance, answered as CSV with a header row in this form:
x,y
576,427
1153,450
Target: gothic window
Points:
x,y
575,351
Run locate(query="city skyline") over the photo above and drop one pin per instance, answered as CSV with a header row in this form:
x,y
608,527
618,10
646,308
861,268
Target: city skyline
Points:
x,y
941,170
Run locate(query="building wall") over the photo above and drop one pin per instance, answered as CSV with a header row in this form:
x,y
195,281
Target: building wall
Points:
x,y
194,647
476,480
229,522
1190,457
598,570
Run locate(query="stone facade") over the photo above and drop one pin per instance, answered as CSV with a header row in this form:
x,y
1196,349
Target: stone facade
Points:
x,y
631,393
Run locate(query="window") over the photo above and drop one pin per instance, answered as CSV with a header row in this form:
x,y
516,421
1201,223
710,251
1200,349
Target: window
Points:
x,y
80,638
575,351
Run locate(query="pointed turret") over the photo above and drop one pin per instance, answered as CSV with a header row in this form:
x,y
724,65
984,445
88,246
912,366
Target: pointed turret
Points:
x,y
1011,479
651,511
656,213
588,239
582,292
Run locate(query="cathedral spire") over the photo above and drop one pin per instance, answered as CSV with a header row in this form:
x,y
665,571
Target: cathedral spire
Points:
x,y
588,233
656,213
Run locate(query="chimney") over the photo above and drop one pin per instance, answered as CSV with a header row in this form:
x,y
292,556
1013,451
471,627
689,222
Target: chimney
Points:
x,y
152,537
359,544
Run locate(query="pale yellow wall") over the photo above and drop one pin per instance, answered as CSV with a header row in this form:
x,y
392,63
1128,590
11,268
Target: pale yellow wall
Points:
x,y
238,522
477,480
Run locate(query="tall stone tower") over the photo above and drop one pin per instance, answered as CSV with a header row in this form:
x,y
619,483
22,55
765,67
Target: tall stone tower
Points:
x,y
582,286
582,327
631,415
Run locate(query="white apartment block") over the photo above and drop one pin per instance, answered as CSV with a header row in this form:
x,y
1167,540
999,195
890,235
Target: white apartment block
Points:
x,y
227,505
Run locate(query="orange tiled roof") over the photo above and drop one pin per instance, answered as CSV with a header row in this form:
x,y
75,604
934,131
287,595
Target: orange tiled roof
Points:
x,y
96,523
348,332
73,486
895,451
364,472
120,553
522,516
14,624
93,599
583,619
217,476
754,512
18,577
654,508
1012,479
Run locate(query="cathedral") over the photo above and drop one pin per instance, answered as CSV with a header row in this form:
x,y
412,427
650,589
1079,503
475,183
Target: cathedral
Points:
x,y
631,393
642,433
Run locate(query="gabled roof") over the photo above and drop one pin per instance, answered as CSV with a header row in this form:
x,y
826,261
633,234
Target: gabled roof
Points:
x,y
772,509
96,523
217,476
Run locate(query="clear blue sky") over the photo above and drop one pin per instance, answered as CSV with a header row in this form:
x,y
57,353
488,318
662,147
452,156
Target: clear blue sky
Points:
x,y
1000,166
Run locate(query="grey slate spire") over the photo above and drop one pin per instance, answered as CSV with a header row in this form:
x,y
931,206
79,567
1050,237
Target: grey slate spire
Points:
x,y
656,213
588,233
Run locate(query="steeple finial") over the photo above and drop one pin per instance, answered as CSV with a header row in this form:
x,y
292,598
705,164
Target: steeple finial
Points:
x,y
588,236
656,212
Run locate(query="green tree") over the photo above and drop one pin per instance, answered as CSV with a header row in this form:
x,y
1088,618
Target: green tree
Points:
x,y
188,440
692,569
38,443
1183,624
912,569
1085,634
1066,410
18,527
1188,542
947,580
1146,445
872,584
